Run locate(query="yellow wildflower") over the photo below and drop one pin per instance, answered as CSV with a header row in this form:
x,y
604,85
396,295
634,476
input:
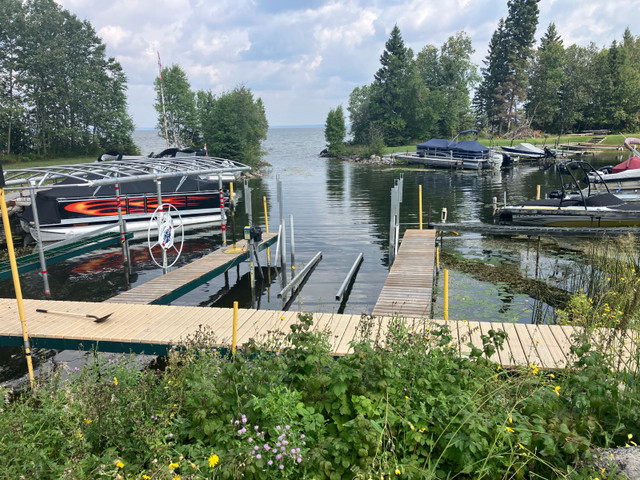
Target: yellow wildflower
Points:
x,y
534,369
177,477
510,419
406,397
412,427
119,464
398,472
521,446
213,460
173,466
88,420
557,390
510,430
146,477
115,381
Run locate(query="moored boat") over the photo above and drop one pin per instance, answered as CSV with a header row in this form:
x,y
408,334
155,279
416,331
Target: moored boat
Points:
x,y
623,177
572,206
467,154
86,198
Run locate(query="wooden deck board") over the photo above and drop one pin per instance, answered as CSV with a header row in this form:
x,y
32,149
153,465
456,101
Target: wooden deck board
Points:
x,y
408,288
175,283
154,328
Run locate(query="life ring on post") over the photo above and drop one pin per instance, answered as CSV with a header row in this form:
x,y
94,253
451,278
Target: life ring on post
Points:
x,y
170,233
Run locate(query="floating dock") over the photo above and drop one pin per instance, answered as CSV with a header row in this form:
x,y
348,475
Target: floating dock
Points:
x,y
166,288
408,288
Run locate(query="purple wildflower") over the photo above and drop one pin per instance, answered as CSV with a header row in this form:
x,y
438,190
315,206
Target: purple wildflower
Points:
x,y
266,447
270,462
250,440
258,456
281,467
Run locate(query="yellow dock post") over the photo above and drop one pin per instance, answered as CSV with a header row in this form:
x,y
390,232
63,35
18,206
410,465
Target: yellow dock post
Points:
x,y
446,294
234,339
16,279
420,205
538,193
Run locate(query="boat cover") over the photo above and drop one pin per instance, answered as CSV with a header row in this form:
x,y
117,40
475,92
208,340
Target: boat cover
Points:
x,y
629,164
464,146
436,143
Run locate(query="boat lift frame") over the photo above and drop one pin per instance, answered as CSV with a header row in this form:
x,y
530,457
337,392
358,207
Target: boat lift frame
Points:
x,y
98,174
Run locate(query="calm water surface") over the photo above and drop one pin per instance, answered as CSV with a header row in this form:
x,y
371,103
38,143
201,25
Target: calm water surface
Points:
x,y
340,209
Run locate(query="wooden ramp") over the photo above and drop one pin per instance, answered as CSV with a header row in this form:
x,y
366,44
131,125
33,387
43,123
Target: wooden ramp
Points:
x,y
164,289
408,288
153,329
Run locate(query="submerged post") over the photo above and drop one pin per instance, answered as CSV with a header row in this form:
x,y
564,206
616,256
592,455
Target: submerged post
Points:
x,y
293,248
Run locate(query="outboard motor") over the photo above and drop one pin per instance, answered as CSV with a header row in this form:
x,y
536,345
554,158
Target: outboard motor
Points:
x,y
548,153
556,194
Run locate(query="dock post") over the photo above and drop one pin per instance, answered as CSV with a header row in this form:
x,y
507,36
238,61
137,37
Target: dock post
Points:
x,y
446,294
283,252
293,248
223,216
420,205
43,262
124,243
538,192
266,227
16,279
165,269
247,205
234,338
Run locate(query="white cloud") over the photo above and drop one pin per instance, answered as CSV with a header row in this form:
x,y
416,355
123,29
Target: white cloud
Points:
x,y
304,58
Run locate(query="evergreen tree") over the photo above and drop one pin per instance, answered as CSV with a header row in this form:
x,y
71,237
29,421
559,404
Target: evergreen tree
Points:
x,y
359,109
546,79
390,103
505,76
335,131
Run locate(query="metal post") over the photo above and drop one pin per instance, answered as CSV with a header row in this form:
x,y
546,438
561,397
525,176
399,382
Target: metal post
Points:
x,y
165,269
223,216
293,248
36,221
248,210
349,278
16,279
266,227
279,195
283,253
124,243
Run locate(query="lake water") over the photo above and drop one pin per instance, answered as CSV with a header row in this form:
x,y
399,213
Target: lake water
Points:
x,y
340,209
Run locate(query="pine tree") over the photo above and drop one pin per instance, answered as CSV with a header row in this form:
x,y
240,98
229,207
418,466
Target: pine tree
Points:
x,y
546,79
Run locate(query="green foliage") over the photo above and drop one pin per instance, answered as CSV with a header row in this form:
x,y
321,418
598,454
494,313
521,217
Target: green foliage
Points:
x,y
335,131
59,93
233,124
405,405
175,99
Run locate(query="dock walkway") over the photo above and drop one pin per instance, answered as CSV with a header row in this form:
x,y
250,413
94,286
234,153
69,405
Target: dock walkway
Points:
x,y
153,329
408,288
166,288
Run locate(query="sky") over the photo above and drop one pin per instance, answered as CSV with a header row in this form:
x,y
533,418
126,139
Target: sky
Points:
x,y
304,57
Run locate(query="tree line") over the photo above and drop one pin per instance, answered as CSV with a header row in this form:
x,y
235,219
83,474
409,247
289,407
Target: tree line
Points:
x,y
232,124
60,95
439,91
59,92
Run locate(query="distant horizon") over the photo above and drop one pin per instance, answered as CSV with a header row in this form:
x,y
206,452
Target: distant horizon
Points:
x,y
146,129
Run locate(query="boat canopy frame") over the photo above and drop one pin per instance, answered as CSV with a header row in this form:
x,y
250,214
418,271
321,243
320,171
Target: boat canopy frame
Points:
x,y
96,174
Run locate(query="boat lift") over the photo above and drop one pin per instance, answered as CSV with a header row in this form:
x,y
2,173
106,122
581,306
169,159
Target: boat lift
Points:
x,y
97,174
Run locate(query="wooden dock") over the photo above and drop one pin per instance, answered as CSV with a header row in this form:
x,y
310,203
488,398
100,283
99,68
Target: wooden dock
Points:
x,y
408,288
153,329
164,289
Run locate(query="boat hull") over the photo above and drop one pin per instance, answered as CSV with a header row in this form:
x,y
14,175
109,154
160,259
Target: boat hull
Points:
x,y
568,217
